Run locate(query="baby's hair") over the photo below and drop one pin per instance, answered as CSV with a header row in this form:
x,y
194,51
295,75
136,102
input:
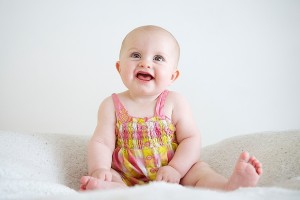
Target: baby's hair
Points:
x,y
151,28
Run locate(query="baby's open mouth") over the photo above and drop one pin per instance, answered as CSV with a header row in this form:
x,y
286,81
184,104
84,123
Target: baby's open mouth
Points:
x,y
144,76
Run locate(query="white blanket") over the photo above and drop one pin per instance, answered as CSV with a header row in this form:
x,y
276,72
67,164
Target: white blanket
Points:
x,y
49,166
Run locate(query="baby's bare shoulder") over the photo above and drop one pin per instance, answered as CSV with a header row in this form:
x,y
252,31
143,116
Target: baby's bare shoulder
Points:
x,y
107,106
176,98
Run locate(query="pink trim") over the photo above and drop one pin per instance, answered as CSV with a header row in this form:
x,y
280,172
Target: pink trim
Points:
x,y
117,103
159,109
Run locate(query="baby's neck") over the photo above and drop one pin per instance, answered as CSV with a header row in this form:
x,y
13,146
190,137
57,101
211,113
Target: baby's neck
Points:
x,y
141,99
138,105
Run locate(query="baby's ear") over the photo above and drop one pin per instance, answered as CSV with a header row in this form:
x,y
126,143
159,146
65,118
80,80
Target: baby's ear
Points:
x,y
118,66
175,75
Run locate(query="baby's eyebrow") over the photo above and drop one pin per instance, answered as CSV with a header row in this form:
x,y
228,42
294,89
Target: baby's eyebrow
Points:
x,y
133,49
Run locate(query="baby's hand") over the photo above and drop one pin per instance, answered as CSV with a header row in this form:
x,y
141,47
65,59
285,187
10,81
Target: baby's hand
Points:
x,y
168,174
102,174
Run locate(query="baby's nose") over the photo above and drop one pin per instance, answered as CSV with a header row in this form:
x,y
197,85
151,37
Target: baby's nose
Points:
x,y
145,63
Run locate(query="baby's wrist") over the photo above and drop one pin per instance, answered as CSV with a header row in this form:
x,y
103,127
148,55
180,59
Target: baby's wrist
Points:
x,y
174,168
97,171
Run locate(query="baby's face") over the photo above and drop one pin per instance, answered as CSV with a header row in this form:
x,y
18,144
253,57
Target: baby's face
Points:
x,y
148,61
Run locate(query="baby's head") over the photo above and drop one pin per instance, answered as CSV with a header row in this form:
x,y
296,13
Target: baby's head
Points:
x,y
148,60
153,34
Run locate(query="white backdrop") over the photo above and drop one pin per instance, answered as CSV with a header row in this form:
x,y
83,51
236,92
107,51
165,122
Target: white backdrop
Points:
x,y
240,61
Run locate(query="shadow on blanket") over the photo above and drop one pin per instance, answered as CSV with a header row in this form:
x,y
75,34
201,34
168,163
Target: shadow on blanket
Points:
x,y
279,153
61,159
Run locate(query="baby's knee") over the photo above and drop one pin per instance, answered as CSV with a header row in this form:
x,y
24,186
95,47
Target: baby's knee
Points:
x,y
195,173
200,165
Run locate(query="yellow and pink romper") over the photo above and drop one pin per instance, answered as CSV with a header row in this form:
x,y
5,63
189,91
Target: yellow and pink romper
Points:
x,y
143,145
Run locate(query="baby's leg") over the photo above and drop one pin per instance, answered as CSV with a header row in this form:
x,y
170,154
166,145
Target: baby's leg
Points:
x,y
246,173
92,183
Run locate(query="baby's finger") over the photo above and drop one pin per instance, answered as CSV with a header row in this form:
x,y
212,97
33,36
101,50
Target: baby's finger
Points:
x,y
101,177
108,177
159,177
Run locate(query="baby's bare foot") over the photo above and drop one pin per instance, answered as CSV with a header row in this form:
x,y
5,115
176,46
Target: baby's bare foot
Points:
x,y
91,183
83,182
246,173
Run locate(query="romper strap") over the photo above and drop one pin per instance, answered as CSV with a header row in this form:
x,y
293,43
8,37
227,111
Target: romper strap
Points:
x,y
159,109
116,101
118,105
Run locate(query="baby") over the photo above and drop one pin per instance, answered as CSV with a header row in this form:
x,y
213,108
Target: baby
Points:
x,y
148,133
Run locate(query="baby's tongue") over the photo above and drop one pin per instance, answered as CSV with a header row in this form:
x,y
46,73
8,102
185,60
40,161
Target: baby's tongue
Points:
x,y
144,77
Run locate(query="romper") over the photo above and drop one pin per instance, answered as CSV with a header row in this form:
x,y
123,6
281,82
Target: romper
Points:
x,y
143,145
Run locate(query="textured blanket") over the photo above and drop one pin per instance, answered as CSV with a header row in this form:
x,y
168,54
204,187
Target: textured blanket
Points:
x,y
49,166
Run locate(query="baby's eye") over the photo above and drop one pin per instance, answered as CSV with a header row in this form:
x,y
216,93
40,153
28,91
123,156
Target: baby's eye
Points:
x,y
135,55
158,58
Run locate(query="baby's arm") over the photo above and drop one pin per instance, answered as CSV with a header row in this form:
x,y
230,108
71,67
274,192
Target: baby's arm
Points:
x,y
188,137
102,143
